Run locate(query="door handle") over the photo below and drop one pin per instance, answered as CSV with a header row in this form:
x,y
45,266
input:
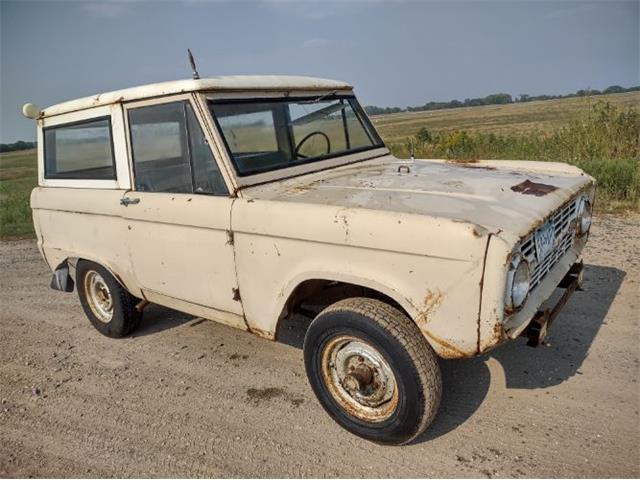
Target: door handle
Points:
x,y
126,201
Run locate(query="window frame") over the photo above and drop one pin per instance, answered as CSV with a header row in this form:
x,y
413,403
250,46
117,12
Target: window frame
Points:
x,y
118,140
213,147
376,140
63,176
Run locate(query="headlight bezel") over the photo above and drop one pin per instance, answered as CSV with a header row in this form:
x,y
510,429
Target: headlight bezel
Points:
x,y
584,207
519,264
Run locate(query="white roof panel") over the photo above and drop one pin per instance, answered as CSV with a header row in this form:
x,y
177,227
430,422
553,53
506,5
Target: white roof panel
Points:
x,y
239,82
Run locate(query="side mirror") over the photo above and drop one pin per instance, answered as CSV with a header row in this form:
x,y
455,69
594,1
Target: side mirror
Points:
x,y
29,110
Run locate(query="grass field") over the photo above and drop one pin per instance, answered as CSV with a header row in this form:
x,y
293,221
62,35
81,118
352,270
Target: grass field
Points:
x,y
604,140
18,175
540,116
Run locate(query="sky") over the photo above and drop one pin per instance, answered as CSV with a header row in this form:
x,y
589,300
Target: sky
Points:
x,y
395,53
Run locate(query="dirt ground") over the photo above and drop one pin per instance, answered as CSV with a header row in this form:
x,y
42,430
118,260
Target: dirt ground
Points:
x,y
186,397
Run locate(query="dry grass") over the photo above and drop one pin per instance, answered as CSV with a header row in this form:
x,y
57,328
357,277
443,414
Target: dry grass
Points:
x,y
539,116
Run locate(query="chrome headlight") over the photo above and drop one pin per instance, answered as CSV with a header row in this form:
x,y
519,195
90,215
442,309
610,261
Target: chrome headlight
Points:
x,y
583,217
518,283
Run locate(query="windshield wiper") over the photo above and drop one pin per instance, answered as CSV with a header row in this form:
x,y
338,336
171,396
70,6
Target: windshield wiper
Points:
x,y
323,112
318,99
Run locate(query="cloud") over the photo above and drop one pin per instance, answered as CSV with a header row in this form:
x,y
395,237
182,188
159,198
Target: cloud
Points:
x,y
106,9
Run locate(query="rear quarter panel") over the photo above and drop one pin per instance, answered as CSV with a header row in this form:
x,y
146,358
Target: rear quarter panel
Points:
x,y
83,223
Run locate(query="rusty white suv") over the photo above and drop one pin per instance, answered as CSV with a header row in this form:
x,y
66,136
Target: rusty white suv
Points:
x,y
256,200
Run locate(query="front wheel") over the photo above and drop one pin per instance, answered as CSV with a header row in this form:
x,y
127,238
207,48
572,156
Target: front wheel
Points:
x,y
372,370
108,306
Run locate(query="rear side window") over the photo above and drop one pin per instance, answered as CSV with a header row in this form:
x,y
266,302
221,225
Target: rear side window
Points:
x,y
80,150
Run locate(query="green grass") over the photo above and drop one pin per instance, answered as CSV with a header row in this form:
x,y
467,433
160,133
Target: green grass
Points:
x,y
18,176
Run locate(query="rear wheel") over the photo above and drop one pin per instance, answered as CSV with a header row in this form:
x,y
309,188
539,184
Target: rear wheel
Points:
x,y
108,306
372,370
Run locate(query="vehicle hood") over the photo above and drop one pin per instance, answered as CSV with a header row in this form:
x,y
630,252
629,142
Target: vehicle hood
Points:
x,y
498,195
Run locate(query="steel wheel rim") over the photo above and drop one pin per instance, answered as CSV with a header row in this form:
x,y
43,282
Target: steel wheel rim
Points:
x,y
98,296
359,378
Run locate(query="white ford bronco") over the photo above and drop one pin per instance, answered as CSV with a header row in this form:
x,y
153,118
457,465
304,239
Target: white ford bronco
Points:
x,y
256,200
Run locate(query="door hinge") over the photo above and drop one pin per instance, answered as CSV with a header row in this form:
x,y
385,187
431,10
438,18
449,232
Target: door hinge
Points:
x,y
229,237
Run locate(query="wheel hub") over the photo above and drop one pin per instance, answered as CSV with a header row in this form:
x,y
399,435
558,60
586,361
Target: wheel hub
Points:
x,y
359,378
98,296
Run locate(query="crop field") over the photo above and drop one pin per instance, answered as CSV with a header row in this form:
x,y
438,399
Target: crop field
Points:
x,y
599,135
531,117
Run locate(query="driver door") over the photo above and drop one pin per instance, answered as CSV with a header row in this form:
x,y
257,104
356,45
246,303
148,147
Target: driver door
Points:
x,y
178,213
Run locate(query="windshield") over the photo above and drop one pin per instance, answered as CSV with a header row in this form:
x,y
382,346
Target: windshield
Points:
x,y
269,134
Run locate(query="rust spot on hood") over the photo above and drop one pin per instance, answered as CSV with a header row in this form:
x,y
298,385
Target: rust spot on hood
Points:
x,y
296,189
469,163
532,188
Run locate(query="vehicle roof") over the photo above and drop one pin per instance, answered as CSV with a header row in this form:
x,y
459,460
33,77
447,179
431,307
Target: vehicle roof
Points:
x,y
225,83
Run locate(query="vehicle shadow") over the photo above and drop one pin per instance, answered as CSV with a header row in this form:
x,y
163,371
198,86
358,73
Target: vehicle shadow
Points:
x,y
466,382
292,329
156,318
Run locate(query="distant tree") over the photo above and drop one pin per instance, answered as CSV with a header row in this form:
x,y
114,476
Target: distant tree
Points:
x,y
373,110
19,145
498,99
493,99
614,89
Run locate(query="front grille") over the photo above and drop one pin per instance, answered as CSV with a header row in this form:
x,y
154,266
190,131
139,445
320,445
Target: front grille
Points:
x,y
563,221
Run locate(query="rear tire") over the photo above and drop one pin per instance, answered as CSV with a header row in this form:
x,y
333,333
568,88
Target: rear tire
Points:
x,y
372,370
109,307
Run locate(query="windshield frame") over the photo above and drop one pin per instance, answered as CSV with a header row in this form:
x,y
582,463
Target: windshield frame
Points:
x,y
310,164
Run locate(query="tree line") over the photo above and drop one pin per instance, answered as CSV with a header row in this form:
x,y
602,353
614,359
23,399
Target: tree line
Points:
x,y
19,145
495,99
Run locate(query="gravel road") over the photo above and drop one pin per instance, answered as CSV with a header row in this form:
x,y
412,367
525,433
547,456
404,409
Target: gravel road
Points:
x,y
187,397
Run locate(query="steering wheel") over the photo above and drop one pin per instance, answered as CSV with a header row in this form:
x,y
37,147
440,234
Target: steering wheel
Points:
x,y
297,153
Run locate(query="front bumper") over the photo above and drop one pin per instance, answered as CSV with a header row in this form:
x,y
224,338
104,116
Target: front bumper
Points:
x,y
536,330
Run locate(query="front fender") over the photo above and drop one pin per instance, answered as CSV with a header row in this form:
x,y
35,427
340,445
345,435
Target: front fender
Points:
x,y
440,296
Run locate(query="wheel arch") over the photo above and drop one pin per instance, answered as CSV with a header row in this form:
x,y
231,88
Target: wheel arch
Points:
x,y
330,288
124,280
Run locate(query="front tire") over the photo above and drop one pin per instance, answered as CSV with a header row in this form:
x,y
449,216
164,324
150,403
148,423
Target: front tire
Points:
x,y
108,306
372,370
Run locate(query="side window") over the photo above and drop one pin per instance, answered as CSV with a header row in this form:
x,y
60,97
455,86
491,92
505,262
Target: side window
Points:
x,y
160,150
79,150
170,152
